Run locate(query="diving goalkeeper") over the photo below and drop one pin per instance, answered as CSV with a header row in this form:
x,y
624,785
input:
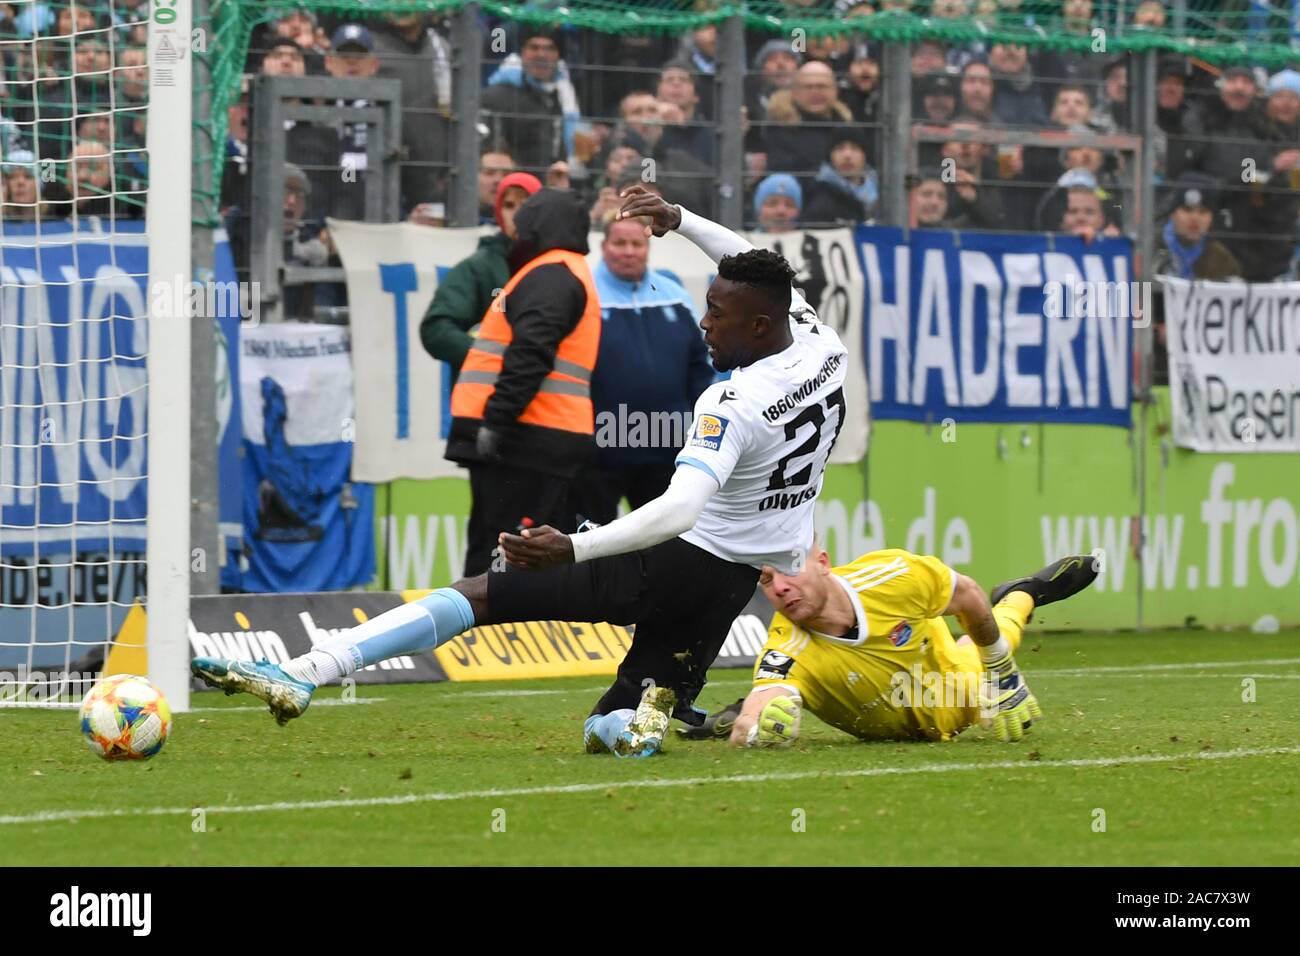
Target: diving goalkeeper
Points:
x,y
865,648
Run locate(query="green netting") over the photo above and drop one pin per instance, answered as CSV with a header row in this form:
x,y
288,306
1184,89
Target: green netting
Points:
x,y
1218,31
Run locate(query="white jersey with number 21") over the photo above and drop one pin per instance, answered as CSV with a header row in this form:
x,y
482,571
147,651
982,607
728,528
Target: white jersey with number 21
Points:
x,y
765,436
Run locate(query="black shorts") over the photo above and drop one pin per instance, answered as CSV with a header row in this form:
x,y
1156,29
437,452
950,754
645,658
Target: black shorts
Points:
x,y
681,598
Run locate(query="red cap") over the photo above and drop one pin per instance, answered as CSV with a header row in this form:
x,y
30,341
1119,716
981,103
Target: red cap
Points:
x,y
525,181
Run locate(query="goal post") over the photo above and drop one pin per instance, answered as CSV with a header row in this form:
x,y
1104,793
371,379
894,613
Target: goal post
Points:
x,y
169,146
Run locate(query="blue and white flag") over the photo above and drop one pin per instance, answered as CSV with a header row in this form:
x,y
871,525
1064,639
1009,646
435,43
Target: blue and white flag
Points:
x,y
981,327
307,527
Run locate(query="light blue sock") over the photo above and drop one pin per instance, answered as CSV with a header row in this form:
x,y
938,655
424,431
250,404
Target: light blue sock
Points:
x,y
419,626
608,726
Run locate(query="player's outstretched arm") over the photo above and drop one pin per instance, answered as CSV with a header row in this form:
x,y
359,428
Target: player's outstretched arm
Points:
x,y
1007,703
716,240
768,718
667,516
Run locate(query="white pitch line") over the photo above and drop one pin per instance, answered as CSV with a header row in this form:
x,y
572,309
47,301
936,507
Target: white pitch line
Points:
x,y
52,816
1255,675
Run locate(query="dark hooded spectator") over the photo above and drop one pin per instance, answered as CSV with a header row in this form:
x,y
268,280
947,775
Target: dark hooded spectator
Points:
x,y
1017,99
812,106
411,51
531,103
777,203
1178,127
938,97
518,424
1258,210
846,189
773,68
465,293
1058,203
1183,245
351,57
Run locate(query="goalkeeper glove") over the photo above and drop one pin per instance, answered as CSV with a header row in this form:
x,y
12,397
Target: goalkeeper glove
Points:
x,y
1006,702
778,724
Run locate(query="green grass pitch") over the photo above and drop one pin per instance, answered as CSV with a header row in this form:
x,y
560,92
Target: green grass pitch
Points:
x,y
1155,731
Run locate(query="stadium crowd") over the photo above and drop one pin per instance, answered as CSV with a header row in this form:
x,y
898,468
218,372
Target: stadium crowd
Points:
x,y
596,112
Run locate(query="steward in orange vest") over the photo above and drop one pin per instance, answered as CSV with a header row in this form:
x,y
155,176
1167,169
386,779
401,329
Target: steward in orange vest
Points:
x,y
522,418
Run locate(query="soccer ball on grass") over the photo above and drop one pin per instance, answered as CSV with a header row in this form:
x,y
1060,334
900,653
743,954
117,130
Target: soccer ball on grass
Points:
x,y
125,717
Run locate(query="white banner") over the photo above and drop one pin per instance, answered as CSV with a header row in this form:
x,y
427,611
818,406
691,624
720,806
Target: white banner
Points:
x,y
403,394
1234,364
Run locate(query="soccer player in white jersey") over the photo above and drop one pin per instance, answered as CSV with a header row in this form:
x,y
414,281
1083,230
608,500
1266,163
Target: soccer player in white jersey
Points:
x,y
682,566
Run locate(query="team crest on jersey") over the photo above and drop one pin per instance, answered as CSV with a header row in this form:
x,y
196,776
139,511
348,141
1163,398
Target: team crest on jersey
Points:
x,y
709,430
901,634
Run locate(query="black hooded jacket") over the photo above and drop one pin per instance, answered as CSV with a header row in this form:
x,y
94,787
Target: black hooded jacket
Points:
x,y
542,310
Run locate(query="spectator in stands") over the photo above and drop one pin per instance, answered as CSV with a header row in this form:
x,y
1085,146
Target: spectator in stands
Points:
x,y
20,198
860,90
690,134
306,243
651,367
938,97
1259,210
811,104
531,103
846,189
1085,214
519,428
411,51
1017,101
699,49
777,203
1112,112
494,164
1178,127
132,80
774,69
927,201
1183,246
351,57
90,185
606,204
311,146
465,293
1072,106
683,178
1150,14
928,57
1074,66
301,27
835,50
1283,108
977,92
970,195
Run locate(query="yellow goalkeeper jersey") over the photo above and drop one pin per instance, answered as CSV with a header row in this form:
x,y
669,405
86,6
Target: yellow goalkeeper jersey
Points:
x,y
900,674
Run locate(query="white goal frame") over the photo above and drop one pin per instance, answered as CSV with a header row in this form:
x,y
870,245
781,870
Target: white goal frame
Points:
x,y
169,143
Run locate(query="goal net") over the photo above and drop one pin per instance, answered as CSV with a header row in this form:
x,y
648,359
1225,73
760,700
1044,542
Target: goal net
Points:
x,y
94,352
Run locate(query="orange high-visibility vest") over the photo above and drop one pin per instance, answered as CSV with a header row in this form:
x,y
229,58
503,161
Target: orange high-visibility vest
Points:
x,y
564,399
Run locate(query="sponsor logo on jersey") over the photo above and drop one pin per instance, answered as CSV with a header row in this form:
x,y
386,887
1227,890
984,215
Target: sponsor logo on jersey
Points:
x,y
774,666
901,634
709,430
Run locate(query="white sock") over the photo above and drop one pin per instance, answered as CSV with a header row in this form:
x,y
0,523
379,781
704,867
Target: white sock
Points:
x,y
995,651
316,667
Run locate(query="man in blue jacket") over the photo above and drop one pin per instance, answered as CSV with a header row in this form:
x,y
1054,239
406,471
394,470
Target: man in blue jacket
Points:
x,y
651,368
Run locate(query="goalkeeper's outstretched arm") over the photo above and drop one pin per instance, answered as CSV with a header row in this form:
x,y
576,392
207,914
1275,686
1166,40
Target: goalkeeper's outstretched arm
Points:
x,y
768,718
